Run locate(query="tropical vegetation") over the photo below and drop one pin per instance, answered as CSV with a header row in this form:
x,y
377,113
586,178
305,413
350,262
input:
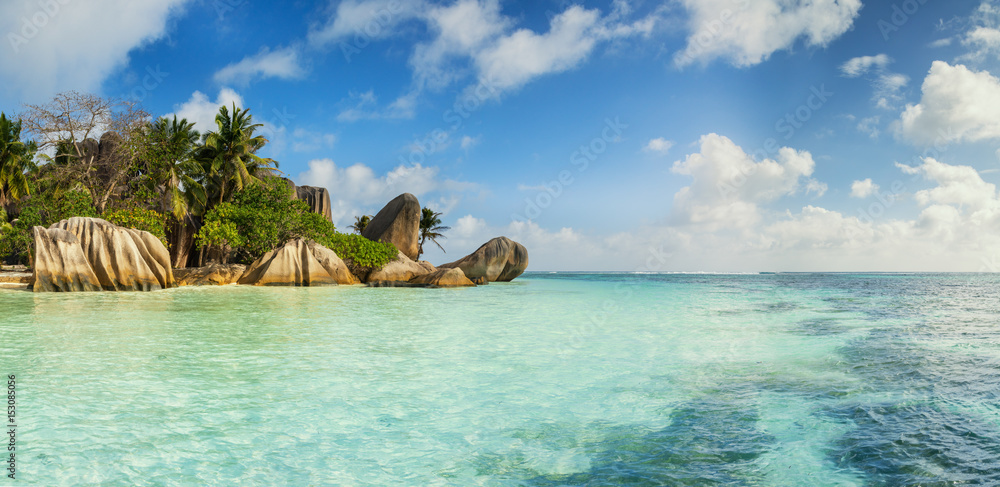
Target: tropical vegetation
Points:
x,y
84,155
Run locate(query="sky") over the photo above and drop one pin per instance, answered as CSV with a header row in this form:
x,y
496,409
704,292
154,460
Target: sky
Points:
x,y
630,135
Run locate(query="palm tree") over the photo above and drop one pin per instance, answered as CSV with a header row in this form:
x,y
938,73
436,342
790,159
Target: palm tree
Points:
x,y
176,141
229,155
360,222
16,161
430,228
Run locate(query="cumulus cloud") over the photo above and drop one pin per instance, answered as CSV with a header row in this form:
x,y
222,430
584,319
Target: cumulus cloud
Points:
x,y
659,145
728,184
958,104
282,63
357,189
863,189
73,45
748,33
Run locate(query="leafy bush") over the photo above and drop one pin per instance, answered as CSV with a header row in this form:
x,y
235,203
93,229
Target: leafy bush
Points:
x,y
361,251
140,219
259,219
42,208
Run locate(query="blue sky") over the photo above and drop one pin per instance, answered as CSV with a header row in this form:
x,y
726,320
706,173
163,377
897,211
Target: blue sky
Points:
x,y
689,135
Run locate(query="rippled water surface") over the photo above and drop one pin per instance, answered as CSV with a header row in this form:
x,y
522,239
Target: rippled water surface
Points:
x,y
554,379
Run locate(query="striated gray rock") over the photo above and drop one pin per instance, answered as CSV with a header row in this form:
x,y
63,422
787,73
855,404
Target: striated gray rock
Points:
x,y
401,269
500,259
299,262
90,254
210,275
398,223
318,200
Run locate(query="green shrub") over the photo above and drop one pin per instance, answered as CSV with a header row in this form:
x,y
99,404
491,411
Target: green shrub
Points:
x,y
259,219
42,208
150,221
361,251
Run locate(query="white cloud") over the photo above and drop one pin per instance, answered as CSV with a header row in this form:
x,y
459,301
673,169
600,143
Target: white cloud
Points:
x,y
75,45
473,39
201,111
863,189
862,65
357,189
516,59
728,184
470,142
369,19
869,126
659,145
282,63
958,104
887,85
748,35
947,41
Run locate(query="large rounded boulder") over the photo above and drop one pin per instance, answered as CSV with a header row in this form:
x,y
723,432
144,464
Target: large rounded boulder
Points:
x,y
299,262
401,269
90,254
500,259
398,223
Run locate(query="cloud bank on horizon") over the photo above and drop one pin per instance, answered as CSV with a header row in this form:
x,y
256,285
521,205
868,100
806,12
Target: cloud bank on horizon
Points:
x,y
699,135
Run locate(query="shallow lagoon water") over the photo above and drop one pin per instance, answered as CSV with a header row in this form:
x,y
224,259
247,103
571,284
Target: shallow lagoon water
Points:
x,y
554,379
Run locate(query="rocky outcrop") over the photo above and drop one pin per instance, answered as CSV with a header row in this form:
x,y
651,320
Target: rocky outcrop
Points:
x,y
399,224
401,269
444,278
500,259
90,254
318,200
299,262
210,275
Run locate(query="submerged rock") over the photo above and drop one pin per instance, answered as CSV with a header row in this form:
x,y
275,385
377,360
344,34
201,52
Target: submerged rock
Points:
x,y
500,259
90,254
299,262
210,275
398,223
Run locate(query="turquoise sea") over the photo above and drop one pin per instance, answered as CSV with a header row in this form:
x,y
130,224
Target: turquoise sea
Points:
x,y
551,380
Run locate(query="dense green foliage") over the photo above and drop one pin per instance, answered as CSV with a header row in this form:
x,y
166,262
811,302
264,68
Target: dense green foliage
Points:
x,y
42,208
143,219
260,218
264,216
361,251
